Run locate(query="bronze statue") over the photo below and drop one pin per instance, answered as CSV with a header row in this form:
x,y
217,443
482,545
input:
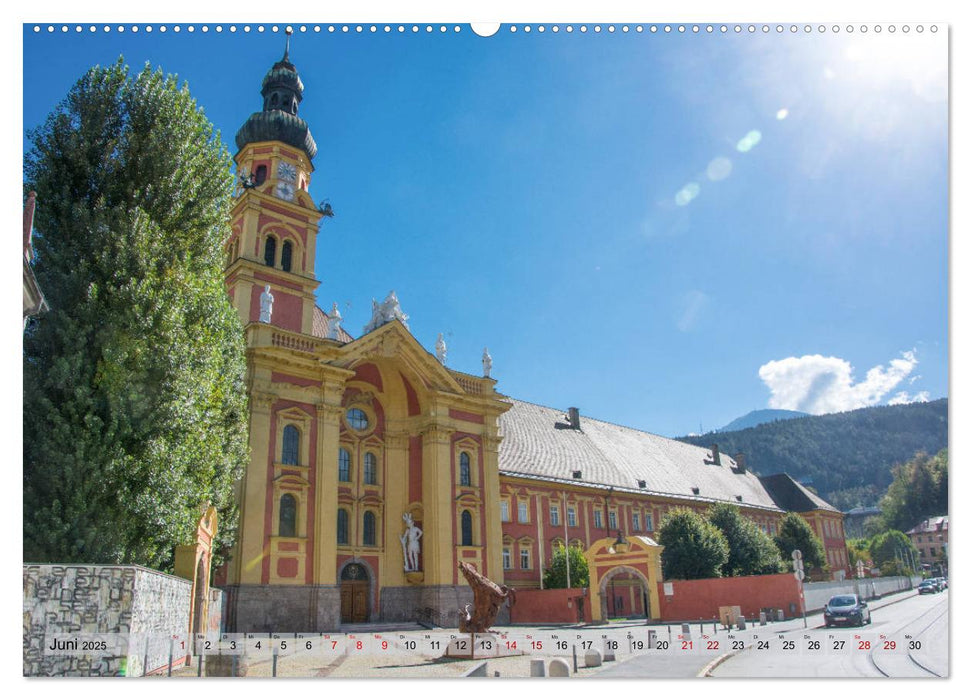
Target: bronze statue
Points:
x,y
489,598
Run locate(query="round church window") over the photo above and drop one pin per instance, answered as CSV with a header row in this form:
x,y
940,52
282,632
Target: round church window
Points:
x,y
357,419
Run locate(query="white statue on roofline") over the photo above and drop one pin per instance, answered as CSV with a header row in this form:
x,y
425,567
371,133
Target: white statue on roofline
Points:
x,y
388,310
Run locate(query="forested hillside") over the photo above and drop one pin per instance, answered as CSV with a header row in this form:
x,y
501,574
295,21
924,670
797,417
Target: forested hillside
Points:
x,y
847,457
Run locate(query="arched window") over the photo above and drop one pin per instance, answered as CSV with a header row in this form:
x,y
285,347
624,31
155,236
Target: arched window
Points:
x,y
269,251
343,465
341,526
466,528
291,445
370,469
286,256
465,470
260,174
369,529
288,516
273,100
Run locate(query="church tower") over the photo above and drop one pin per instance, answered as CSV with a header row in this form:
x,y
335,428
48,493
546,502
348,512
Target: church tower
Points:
x,y
275,221
373,467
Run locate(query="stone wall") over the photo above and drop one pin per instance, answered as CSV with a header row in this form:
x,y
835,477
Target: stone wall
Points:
x,y
64,599
258,608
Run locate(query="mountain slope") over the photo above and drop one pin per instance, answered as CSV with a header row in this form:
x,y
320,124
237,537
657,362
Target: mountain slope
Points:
x,y
847,457
765,415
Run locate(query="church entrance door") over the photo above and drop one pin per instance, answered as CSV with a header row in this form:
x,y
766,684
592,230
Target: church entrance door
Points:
x,y
355,592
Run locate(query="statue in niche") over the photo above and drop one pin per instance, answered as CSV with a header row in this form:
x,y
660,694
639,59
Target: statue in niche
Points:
x,y
334,323
441,351
410,543
488,599
266,305
486,363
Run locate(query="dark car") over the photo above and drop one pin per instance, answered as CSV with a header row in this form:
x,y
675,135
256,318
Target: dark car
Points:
x,y
846,609
927,586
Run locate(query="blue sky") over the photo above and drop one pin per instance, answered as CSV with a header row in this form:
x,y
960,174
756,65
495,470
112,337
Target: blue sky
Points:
x,y
666,230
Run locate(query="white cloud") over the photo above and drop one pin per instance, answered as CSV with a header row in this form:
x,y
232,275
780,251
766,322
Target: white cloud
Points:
x,y
817,384
904,397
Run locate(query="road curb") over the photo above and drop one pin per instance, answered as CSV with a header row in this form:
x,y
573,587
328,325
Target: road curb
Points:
x,y
712,665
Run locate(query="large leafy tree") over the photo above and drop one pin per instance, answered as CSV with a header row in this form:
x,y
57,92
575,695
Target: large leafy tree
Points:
x,y
693,547
893,552
555,574
134,394
795,533
750,551
918,491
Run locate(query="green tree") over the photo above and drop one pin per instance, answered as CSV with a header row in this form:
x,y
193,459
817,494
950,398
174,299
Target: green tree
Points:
x,y
555,574
893,550
750,551
693,547
858,550
918,491
795,533
134,393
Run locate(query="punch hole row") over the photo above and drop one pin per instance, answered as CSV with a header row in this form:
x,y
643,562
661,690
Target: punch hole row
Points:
x,y
512,29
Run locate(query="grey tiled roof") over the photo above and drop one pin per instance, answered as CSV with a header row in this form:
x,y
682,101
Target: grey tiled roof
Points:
x,y
791,495
321,324
539,443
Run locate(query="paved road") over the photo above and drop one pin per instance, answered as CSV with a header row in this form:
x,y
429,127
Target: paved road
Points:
x,y
916,627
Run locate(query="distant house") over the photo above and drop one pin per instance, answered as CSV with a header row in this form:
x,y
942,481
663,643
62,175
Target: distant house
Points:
x,y
825,520
34,302
930,539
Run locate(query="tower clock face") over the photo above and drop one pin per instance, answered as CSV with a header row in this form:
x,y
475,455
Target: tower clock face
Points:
x,y
284,190
286,172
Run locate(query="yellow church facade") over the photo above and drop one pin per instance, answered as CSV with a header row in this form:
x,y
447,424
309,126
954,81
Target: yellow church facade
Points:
x,y
375,468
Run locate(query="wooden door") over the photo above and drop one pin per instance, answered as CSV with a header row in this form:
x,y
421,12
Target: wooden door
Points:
x,y
354,601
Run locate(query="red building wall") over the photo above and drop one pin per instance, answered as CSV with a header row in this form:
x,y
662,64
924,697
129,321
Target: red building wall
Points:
x,y
701,598
550,605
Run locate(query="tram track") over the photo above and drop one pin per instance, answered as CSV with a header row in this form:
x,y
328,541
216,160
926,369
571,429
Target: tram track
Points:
x,y
883,670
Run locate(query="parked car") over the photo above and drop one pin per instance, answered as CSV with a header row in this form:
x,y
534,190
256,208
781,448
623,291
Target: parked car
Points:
x,y
927,586
941,583
846,609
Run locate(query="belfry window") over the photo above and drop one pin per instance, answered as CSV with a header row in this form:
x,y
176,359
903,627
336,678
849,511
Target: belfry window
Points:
x,y
343,465
288,516
369,529
466,528
465,470
269,251
286,256
370,469
291,445
260,174
273,100
341,526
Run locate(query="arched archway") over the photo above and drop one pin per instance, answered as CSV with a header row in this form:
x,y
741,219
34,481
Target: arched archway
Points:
x,y
634,560
613,605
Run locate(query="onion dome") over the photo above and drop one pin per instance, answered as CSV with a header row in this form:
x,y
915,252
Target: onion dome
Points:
x,y
282,92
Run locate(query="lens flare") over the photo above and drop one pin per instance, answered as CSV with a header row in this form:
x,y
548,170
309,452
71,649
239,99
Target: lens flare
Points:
x,y
687,193
718,169
749,141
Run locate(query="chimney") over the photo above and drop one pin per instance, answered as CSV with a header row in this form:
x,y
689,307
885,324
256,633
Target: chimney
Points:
x,y
740,461
574,417
716,457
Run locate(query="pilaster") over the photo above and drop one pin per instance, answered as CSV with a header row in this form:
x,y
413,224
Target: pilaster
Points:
x,y
438,540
